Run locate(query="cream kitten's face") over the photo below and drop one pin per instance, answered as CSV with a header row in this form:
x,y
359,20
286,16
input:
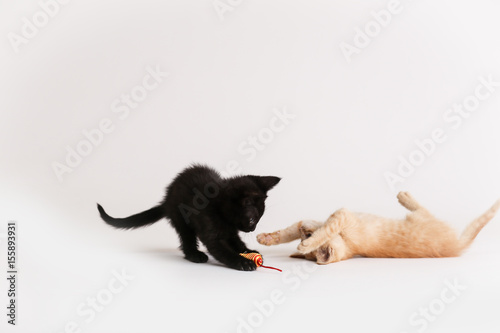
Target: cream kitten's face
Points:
x,y
305,232
323,255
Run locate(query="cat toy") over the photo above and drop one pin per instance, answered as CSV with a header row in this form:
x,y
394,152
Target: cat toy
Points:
x,y
257,259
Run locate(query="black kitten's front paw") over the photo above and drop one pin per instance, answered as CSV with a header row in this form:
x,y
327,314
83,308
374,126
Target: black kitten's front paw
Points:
x,y
245,265
197,257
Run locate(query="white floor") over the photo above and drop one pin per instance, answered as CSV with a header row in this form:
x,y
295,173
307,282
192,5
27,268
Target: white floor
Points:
x,y
352,121
63,268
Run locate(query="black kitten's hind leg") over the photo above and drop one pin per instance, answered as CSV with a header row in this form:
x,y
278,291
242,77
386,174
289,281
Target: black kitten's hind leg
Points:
x,y
189,243
194,255
190,248
197,257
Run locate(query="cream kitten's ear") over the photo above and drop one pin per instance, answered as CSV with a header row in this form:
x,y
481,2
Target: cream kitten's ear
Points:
x,y
325,255
297,255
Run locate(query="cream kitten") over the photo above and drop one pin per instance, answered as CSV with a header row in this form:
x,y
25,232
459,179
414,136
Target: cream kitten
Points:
x,y
346,234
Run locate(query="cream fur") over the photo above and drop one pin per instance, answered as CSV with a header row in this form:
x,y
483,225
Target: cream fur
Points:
x,y
346,234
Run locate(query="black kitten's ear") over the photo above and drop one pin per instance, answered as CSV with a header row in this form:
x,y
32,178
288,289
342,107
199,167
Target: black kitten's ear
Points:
x,y
266,183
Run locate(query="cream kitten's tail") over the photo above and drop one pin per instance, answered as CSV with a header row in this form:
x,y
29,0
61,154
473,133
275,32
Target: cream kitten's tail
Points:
x,y
475,226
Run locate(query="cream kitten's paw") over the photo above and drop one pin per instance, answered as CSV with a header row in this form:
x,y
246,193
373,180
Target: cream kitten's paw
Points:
x,y
269,239
305,246
404,196
407,200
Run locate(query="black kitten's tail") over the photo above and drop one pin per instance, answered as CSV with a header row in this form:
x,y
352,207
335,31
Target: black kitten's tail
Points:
x,y
143,219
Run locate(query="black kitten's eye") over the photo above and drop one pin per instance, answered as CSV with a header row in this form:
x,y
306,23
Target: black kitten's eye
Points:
x,y
247,202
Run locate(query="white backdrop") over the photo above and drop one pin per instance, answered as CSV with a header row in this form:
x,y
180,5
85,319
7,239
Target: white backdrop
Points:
x,y
106,101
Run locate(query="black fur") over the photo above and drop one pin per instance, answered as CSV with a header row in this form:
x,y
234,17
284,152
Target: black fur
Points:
x,y
201,205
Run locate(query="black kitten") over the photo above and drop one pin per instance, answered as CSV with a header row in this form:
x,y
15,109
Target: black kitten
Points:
x,y
200,204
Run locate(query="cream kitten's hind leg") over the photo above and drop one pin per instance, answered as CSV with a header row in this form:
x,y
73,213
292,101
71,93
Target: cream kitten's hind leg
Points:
x,y
332,227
